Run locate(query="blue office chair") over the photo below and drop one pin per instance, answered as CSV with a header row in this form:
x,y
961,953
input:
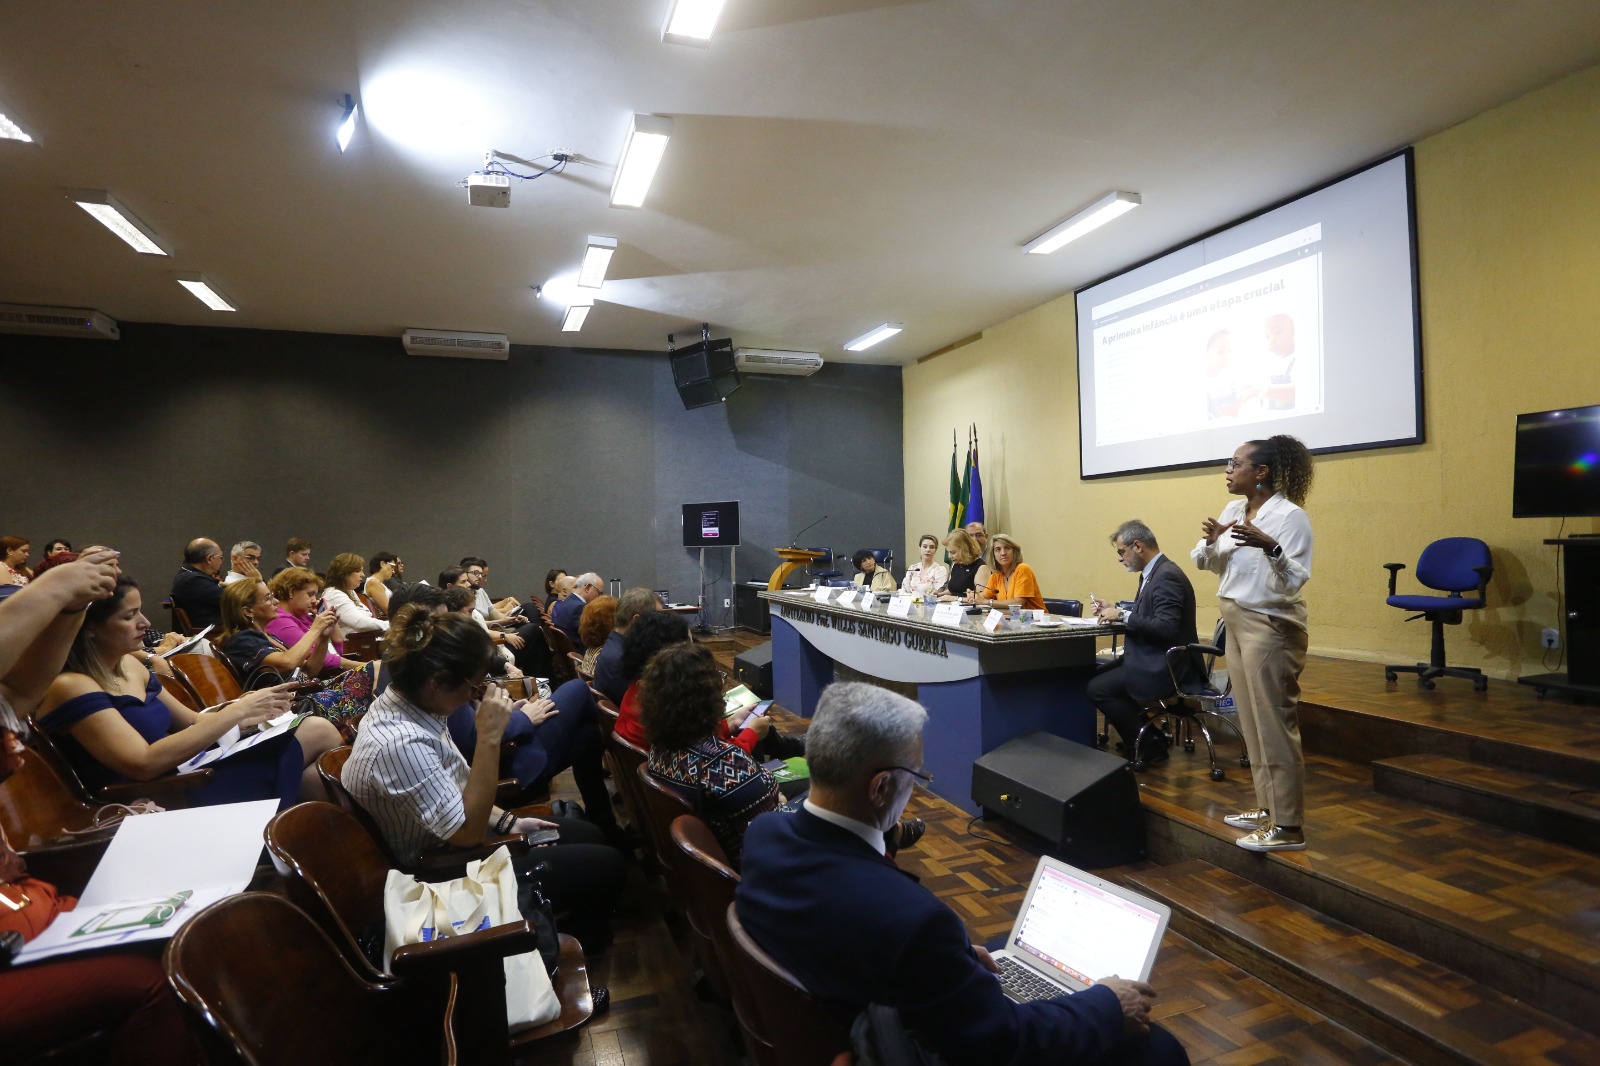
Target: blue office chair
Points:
x,y
1068,608
822,569
1454,565
884,557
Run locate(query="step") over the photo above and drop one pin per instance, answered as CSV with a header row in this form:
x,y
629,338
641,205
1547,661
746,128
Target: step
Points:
x,y
1526,803
1416,1009
1515,913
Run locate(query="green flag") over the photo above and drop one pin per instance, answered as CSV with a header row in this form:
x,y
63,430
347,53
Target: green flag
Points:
x,y
957,497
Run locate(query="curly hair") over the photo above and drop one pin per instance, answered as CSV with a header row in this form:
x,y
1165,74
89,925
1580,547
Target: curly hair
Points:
x,y
680,697
1290,462
422,646
649,634
597,621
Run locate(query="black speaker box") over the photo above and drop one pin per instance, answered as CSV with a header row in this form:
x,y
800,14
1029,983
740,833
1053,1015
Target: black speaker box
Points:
x,y
705,373
1083,800
753,670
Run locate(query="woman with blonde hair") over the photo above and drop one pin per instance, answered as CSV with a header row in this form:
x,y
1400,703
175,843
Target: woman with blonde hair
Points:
x,y
1012,582
968,573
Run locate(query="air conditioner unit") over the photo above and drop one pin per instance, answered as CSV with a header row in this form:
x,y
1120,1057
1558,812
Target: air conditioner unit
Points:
x,y
772,361
455,345
58,322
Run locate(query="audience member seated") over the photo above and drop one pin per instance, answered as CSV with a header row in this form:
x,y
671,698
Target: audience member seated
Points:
x,y
244,562
409,776
925,577
385,579
116,723
681,694
870,575
552,592
492,610
347,573
1012,583
594,626
296,553
459,598
196,589
248,607
968,572
818,896
585,587
121,992
14,561
608,664
296,590
54,547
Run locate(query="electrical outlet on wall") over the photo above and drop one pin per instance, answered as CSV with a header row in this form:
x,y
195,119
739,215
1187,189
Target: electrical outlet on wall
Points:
x,y
727,603
1551,637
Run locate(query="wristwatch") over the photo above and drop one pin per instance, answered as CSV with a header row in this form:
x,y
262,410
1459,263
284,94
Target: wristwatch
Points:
x,y
1275,552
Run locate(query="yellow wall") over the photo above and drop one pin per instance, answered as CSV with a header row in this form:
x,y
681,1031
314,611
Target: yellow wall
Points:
x,y
1509,236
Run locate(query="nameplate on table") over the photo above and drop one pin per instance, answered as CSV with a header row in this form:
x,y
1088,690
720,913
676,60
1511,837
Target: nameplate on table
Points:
x,y
867,599
822,594
847,598
900,606
949,614
992,620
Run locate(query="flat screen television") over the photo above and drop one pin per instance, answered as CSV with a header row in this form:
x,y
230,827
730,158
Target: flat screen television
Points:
x,y
1558,464
711,525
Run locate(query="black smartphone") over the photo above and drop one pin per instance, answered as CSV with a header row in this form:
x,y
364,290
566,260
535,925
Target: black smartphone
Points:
x,y
543,836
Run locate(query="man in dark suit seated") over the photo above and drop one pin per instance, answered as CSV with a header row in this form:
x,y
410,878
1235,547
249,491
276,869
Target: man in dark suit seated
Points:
x,y
608,664
569,611
1162,617
820,896
196,588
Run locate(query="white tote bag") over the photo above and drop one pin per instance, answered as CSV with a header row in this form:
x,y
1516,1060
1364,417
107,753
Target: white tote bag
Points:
x,y
416,912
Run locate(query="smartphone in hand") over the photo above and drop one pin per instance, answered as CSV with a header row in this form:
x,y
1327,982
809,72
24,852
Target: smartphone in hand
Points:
x,y
543,836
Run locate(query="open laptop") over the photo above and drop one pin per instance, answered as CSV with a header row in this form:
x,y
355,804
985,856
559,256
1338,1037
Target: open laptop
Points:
x,y
1075,929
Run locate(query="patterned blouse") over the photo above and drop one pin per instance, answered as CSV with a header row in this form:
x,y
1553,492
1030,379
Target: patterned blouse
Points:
x,y
723,784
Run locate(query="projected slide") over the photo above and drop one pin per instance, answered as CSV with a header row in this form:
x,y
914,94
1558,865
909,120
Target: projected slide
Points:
x,y
1300,320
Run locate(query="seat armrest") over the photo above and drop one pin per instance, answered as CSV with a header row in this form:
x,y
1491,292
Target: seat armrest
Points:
x,y
173,787
1394,571
443,863
453,953
1484,573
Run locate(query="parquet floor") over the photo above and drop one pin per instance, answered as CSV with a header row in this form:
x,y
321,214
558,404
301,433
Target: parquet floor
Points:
x,y
1222,1015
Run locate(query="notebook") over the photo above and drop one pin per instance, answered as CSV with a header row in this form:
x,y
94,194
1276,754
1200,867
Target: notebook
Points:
x,y
1075,929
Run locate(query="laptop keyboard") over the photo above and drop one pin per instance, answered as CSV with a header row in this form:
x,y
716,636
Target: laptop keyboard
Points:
x,y
1025,985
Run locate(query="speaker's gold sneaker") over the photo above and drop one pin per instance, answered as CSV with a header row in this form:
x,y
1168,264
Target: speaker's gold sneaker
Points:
x,y
1250,819
1273,838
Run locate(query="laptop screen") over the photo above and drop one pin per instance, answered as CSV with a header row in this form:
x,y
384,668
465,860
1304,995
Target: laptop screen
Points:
x,y
1082,928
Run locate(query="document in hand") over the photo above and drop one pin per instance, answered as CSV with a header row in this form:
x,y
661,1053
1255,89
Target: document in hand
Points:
x,y
202,854
231,743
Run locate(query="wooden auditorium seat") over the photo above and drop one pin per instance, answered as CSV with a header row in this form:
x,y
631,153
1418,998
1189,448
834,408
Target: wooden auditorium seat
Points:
x,y
797,1029
208,676
167,790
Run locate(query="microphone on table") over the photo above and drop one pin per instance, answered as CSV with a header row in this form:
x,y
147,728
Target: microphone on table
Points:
x,y
794,542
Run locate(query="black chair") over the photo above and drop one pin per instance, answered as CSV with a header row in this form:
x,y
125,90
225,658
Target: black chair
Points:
x,y
1190,705
1068,608
1453,565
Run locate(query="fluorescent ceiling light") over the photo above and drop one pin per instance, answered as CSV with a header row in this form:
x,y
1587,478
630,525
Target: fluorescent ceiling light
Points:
x,y
641,155
116,218
1092,217
10,131
873,336
204,291
597,255
575,316
347,124
691,21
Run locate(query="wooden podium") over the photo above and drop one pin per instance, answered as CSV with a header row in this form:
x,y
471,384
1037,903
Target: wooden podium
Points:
x,y
793,559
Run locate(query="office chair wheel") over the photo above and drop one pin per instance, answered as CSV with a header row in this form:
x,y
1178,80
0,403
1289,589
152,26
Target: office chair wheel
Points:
x,y
1138,765
1481,684
1188,746
1425,683
1390,675
1217,774
1244,761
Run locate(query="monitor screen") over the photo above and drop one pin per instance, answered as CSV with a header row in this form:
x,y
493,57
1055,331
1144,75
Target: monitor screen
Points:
x,y
1558,464
711,525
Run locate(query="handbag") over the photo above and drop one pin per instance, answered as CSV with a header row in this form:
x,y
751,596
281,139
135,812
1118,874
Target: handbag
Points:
x,y
27,905
536,907
418,912
343,699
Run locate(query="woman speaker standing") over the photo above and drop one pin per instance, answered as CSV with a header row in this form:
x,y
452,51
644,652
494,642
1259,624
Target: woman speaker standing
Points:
x,y
1261,547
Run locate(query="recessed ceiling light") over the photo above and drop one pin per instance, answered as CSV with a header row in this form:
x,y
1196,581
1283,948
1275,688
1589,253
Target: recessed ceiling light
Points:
x,y
596,258
691,21
204,291
575,316
873,336
119,220
1092,217
641,155
347,123
10,131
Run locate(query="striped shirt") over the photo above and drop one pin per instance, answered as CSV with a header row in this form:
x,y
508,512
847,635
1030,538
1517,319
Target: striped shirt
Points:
x,y
406,772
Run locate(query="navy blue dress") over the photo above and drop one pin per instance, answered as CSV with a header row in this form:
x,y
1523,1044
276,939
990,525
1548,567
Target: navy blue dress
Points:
x,y
267,771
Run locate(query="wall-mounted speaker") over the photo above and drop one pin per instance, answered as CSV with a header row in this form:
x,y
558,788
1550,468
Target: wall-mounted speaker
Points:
x,y
705,373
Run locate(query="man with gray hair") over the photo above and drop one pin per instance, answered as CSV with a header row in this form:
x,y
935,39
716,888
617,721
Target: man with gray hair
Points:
x,y
822,897
608,664
585,587
1162,617
244,561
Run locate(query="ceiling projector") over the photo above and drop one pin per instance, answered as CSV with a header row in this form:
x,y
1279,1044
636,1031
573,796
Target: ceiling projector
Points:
x,y
488,190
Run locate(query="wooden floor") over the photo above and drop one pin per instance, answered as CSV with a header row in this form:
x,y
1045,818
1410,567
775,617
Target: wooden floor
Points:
x,y
1222,1014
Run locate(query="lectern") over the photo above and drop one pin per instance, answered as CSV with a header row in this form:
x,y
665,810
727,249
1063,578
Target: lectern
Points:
x,y
793,559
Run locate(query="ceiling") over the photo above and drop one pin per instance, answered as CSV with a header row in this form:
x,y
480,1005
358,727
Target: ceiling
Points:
x,y
835,164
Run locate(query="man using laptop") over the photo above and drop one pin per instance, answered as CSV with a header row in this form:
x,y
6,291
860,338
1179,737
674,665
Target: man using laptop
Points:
x,y
820,895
